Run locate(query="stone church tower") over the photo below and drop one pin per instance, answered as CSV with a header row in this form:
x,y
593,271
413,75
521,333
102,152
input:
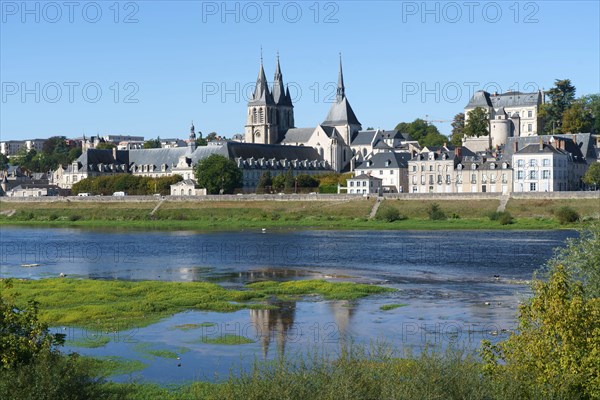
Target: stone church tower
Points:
x,y
269,115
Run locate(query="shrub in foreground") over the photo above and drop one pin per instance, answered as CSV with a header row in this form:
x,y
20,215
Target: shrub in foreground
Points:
x,y
436,213
566,215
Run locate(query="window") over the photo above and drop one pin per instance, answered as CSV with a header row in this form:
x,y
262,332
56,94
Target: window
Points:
x,y
521,163
415,190
484,178
414,168
532,174
447,179
532,187
533,162
380,172
546,162
414,180
391,172
422,168
473,178
422,179
459,178
529,127
545,174
364,183
439,179
529,114
503,178
351,183
431,167
493,178
431,179
520,174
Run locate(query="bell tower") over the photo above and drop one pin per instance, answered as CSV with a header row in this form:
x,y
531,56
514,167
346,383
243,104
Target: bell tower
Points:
x,y
261,118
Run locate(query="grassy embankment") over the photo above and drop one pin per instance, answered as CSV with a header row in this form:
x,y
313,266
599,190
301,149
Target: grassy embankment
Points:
x,y
119,305
528,214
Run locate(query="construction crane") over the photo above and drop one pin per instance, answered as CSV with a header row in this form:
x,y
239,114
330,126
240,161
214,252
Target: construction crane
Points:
x,y
427,120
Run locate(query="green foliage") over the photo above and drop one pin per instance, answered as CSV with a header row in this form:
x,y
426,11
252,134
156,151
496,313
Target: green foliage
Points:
x,y
504,217
436,213
264,182
288,181
566,215
424,133
561,97
278,183
106,146
581,257
307,181
556,350
226,339
153,144
4,161
577,118
477,124
328,189
22,335
592,175
390,214
218,174
458,127
130,184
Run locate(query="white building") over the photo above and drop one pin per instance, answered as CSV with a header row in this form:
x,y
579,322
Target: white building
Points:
x,y
187,187
390,167
364,184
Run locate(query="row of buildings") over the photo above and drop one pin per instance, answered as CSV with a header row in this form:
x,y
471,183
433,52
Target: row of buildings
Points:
x,y
512,157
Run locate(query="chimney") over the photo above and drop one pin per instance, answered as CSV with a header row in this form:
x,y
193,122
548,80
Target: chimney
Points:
x,y
541,144
516,145
114,153
458,152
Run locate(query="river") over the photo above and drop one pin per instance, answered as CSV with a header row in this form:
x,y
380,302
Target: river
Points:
x,y
458,286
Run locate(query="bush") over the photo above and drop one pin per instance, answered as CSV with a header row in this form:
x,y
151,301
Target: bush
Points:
x,y
436,213
74,218
391,214
330,189
566,215
506,218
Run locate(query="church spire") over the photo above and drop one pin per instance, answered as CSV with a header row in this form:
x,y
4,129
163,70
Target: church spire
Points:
x,y
341,90
261,91
278,89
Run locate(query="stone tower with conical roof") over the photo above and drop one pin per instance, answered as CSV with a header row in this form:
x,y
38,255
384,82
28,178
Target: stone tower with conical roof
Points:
x,y
270,113
261,119
341,116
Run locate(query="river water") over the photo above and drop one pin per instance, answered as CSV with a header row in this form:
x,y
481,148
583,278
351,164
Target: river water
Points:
x,y
458,287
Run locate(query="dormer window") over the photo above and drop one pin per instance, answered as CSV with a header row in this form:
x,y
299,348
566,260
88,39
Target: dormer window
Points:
x,y
504,165
492,166
459,167
388,163
473,166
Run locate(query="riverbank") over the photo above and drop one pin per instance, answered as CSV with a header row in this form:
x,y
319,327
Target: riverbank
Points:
x,y
342,214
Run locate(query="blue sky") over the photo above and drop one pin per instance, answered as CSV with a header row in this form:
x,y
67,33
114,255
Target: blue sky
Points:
x,y
150,67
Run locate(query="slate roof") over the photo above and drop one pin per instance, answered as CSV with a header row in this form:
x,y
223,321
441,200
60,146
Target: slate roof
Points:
x,y
341,113
378,161
516,99
298,135
262,95
365,176
480,99
271,151
363,138
579,145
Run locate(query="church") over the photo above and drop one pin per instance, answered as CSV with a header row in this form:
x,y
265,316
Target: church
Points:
x,y
270,120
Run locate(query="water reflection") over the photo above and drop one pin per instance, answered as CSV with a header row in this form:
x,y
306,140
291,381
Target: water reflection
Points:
x,y
274,324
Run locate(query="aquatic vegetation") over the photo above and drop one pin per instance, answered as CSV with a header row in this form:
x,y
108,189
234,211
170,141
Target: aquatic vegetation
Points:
x,y
90,342
116,306
227,339
111,365
387,307
189,327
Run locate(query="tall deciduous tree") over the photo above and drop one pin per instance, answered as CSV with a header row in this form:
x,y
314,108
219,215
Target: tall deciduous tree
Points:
x,y
152,144
424,133
561,97
218,174
477,124
458,127
264,182
592,176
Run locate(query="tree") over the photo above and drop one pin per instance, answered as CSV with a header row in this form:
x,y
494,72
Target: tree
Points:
x,y
577,118
218,174
152,144
458,126
106,146
421,131
307,181
3,161
288,182
211,136
561,98
478,123
264,182
592,176
555,350
279,183
22,335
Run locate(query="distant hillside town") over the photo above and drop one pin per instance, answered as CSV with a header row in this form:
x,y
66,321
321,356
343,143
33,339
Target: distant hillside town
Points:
x,y
503,149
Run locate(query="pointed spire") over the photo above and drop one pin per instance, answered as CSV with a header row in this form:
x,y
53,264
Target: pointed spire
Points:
x,y
279,94
261,91
341,90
